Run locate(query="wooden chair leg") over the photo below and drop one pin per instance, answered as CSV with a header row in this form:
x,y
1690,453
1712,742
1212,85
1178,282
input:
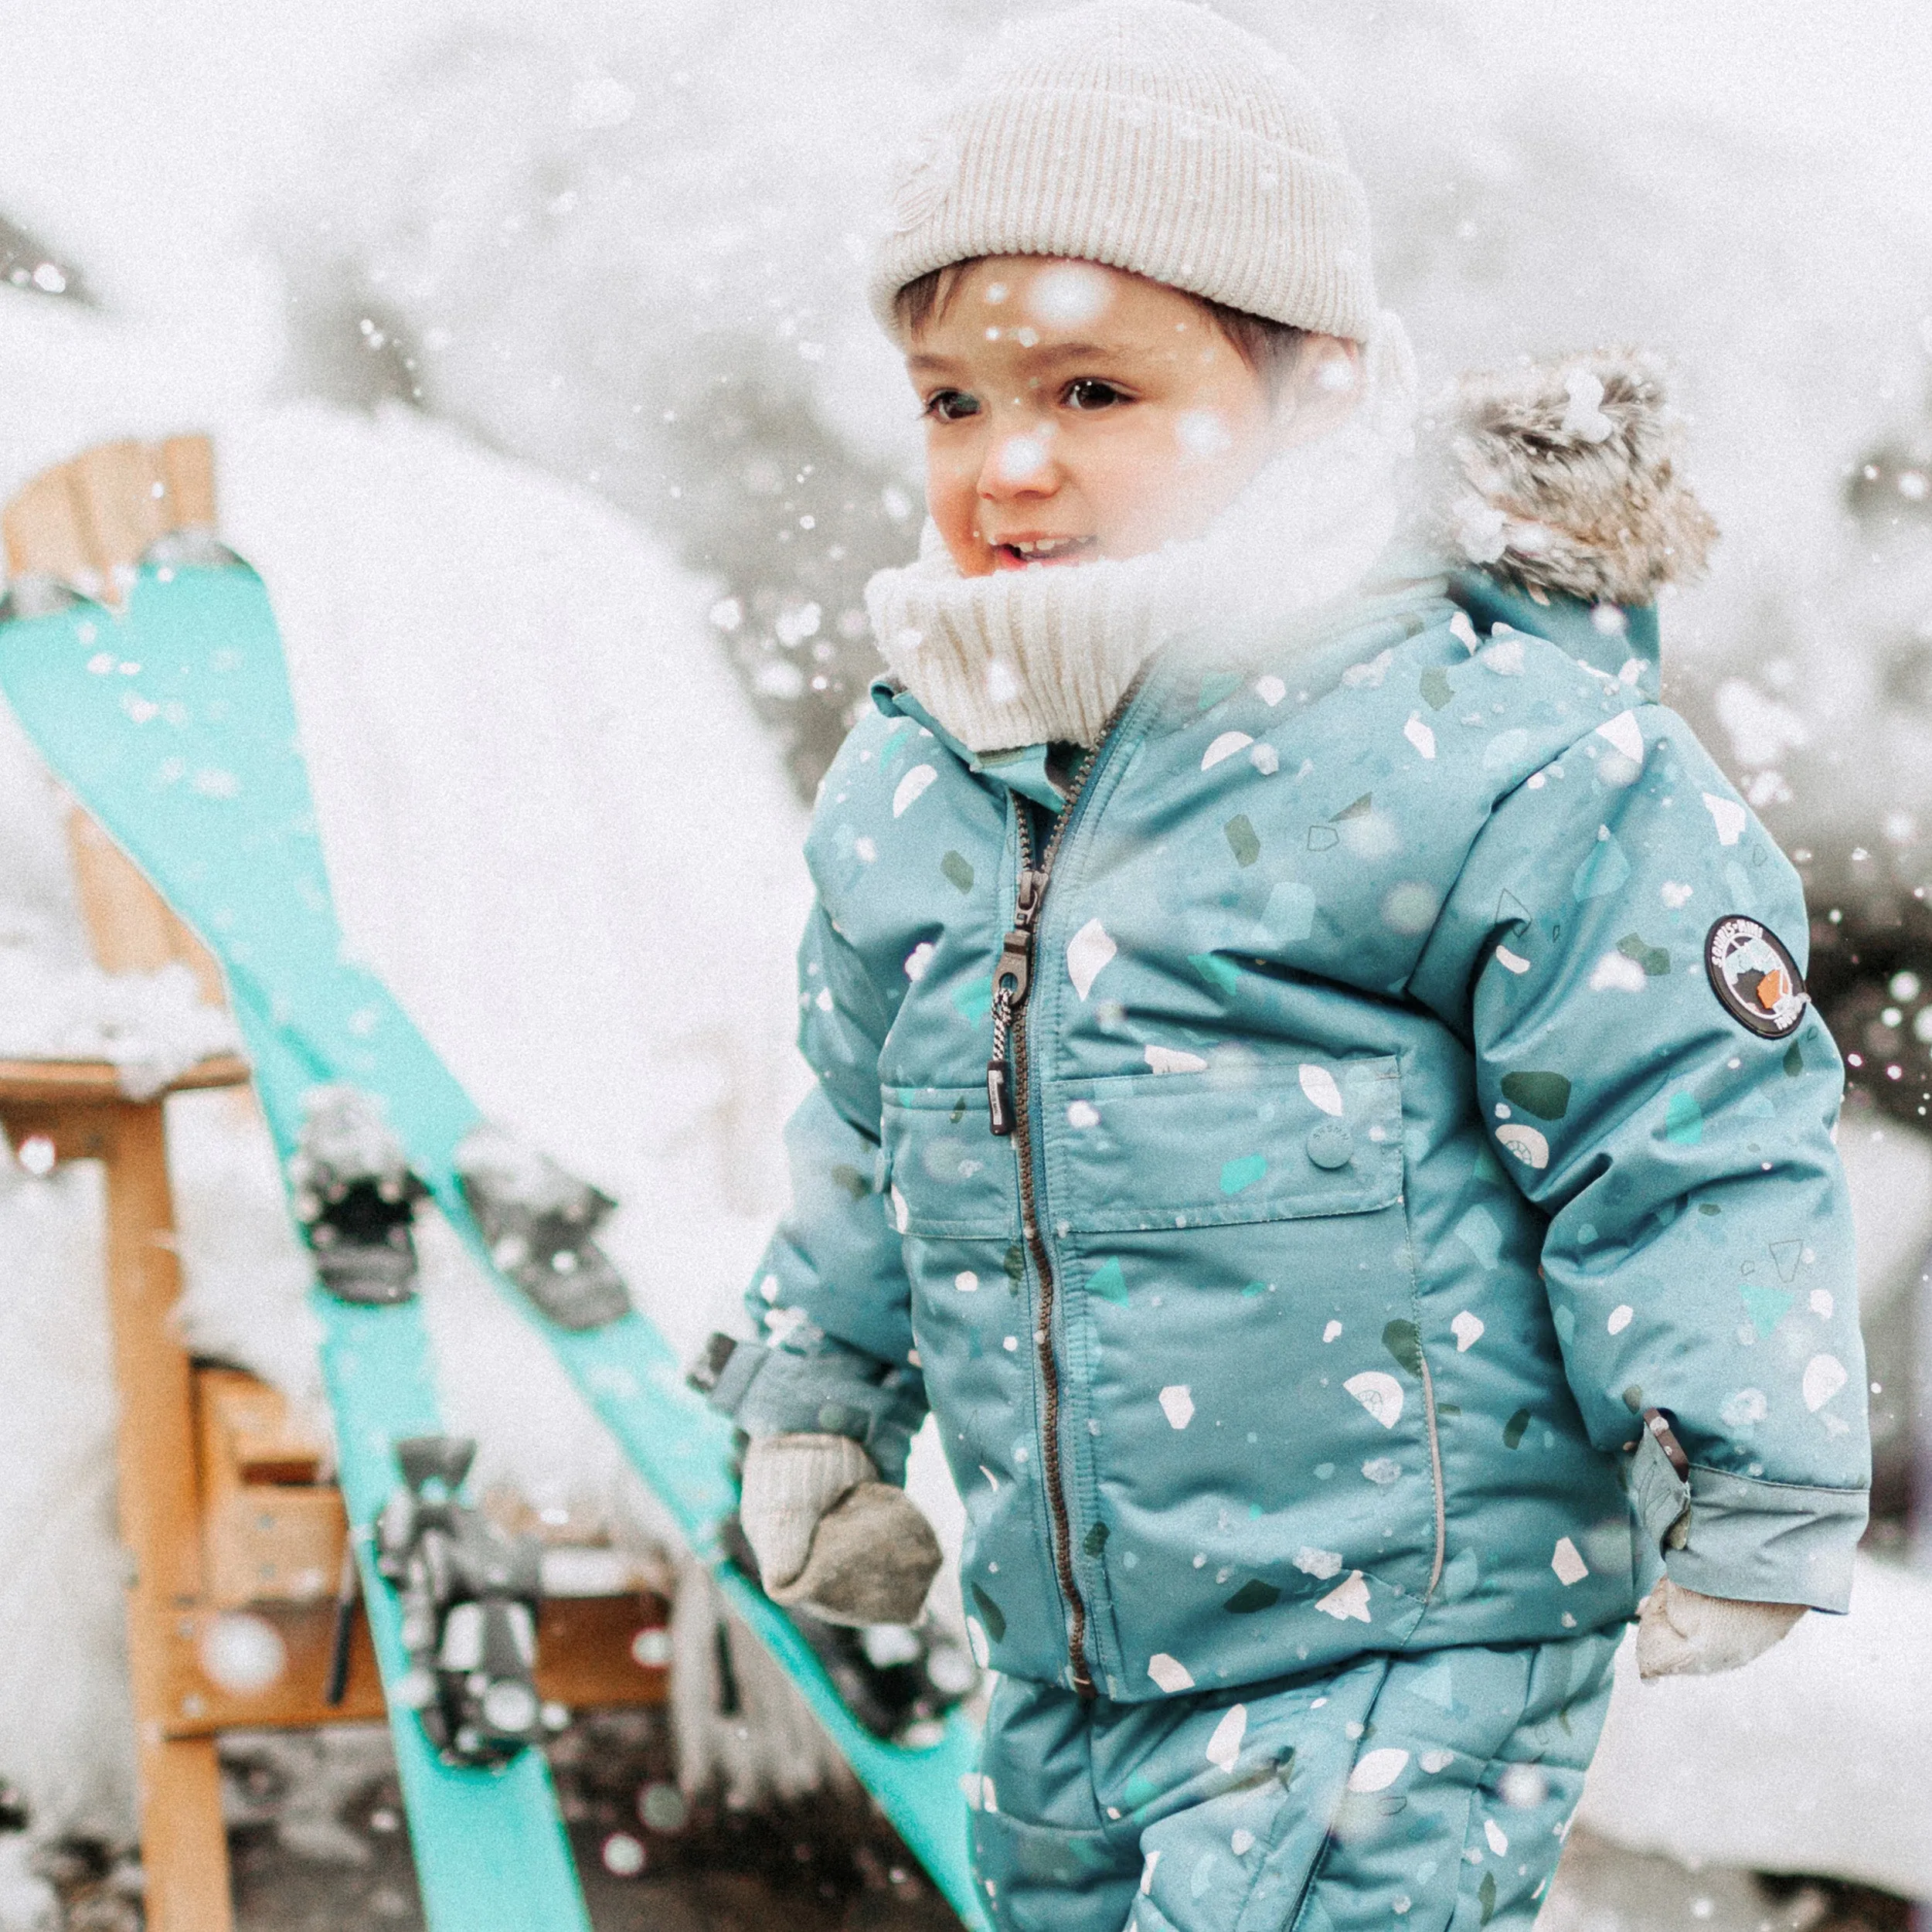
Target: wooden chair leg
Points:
x,y
184,1848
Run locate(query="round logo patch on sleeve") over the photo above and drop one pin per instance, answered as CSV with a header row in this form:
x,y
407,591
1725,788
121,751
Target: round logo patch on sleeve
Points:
x,y
1755,978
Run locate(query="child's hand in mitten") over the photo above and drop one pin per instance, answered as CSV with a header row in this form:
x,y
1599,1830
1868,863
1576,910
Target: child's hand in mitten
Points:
x,y
829,1536
1684,1634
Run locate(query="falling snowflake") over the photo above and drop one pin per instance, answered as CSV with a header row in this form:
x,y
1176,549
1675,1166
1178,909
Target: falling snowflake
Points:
x,y
1744,1409
1582,417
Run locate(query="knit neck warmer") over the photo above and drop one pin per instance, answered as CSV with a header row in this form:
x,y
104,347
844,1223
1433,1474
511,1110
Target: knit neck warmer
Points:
x,y
1043,656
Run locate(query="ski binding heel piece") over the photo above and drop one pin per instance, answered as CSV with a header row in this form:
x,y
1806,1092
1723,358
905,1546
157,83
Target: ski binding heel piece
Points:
x,y
538,1221
355,1197
469,1594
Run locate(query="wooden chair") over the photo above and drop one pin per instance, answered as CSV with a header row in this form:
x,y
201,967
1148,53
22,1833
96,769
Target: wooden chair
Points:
x,y
223,1503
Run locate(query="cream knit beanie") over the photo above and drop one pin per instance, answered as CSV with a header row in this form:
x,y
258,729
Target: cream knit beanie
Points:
x,y
1150,135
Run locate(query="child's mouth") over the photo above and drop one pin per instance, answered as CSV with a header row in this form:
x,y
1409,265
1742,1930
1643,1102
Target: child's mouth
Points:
x,y
1035,551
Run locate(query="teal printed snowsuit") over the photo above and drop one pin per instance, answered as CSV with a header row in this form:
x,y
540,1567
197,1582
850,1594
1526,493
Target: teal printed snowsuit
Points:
x,y
1427,1790
1388,1149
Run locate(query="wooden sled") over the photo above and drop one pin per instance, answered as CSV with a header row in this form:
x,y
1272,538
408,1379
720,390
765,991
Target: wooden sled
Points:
x,y
223,1505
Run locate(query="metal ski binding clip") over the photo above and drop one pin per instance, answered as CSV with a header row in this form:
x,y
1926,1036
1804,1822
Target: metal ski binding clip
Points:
x,y
469,1594
539,1221
355,1197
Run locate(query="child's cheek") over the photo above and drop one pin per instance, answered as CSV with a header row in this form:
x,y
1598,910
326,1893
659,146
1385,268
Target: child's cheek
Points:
x,y
1146,495
953,502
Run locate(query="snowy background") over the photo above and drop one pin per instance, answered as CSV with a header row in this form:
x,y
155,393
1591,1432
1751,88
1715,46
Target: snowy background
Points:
x,y
545,401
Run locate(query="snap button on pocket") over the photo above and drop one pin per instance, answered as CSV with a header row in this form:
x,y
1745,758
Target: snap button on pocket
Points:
x,y
1331,1144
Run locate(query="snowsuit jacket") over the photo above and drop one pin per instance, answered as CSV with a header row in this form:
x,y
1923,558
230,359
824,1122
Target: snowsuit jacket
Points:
x,y
1416,1089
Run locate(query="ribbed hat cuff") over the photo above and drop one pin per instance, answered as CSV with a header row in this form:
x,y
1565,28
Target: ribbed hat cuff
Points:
x,y
1051,172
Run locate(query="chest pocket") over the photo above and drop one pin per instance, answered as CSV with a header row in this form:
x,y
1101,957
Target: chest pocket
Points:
x,y
1143,1152
947,1175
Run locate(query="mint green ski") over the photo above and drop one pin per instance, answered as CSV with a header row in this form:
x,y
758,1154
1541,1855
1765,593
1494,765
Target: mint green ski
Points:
x,y
173,723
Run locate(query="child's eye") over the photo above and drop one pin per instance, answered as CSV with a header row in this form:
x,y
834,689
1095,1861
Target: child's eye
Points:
x,y
1090,392
951,405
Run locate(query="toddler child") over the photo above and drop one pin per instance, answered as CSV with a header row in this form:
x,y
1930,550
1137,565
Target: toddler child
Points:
x,y
1316,1089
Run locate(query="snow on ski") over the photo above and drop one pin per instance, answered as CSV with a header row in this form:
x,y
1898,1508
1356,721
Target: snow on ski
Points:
x,y
172,721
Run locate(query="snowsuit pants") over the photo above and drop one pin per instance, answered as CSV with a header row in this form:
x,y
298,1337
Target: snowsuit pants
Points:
x,y
1429,1792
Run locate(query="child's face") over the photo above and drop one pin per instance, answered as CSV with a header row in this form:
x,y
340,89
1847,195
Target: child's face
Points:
x,y
1074,411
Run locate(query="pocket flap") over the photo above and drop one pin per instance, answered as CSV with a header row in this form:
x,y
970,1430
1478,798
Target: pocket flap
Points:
x,y
1269,1142
949,1174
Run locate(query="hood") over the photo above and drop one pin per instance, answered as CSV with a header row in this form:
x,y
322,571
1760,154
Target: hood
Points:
x,y
1562,478
1555,492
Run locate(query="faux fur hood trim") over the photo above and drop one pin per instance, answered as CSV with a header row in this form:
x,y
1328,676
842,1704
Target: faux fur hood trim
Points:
x,y
1563,476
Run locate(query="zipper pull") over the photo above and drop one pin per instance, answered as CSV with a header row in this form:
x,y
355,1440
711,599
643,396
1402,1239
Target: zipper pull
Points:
x,y
999,1096
1013,977
1013,974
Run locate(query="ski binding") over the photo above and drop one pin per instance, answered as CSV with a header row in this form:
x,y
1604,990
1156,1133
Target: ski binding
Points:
x,y
537,1221
355,1197
469,1594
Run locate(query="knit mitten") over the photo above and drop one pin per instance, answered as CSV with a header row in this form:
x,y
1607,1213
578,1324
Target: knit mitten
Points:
x,y
829,1536
1683,1633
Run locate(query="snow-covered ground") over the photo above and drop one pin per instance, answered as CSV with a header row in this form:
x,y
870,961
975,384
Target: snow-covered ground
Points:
x,y
612,259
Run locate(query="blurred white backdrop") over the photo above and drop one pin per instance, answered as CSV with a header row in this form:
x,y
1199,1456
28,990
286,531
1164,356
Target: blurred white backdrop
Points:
x,y
532,336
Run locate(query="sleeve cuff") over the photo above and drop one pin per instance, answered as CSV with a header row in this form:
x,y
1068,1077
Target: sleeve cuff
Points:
x,y
1749,1540
771,1392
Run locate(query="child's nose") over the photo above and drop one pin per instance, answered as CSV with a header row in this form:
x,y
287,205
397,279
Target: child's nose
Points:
x,y
1021,465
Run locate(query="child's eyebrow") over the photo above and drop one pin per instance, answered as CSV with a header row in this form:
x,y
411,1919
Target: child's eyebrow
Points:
x,y
1069,351
1055,353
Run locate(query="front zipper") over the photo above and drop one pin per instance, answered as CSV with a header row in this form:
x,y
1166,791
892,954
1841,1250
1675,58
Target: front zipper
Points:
x,y
1012,982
